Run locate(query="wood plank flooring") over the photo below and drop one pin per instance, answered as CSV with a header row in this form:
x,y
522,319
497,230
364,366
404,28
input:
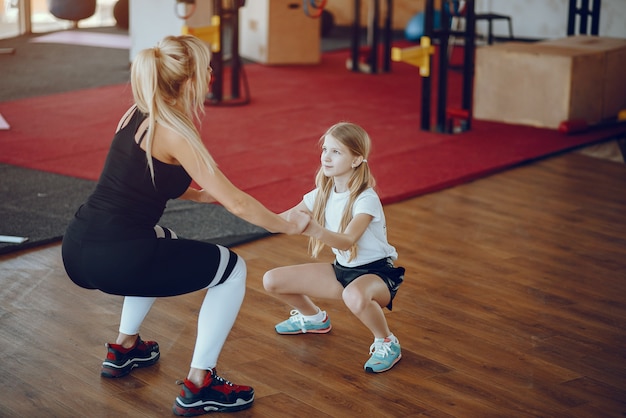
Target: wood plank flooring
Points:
x,y
514,305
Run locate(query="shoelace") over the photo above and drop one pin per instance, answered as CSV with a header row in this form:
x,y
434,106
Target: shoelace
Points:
x,y
381,349
297,318
222,380
215,377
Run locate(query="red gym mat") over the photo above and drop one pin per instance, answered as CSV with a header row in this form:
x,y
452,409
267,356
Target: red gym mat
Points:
x,y
269,147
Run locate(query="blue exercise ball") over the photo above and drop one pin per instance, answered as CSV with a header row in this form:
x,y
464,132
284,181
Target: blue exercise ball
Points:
x,y
414,29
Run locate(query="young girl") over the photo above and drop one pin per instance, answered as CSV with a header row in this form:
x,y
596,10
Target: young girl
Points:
x,y
347,215
115,245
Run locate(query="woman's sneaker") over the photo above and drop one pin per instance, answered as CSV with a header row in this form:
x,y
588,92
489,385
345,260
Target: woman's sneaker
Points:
x,y
216,394
297,324
385,354
120,361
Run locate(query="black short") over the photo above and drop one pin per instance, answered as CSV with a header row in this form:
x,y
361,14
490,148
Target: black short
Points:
x,y
391,275
158,266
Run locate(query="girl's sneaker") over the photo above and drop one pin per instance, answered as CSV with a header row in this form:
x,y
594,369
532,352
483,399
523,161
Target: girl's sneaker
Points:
x,y
216,394
297,324
385,354
120,361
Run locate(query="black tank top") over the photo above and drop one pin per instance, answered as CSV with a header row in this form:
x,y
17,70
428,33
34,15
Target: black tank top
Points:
x,y
126,204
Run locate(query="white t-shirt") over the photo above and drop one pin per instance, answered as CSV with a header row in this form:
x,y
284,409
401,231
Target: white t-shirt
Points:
x,y
372,245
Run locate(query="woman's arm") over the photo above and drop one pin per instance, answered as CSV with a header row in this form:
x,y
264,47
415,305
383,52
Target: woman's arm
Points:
x,y
223,191
300,207
195,195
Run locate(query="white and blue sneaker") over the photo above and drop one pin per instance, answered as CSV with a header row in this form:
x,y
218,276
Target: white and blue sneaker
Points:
x,y
298,324
384,355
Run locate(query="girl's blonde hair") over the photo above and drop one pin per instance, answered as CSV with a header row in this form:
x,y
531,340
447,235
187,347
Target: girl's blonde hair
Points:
x,y
169,84
357,141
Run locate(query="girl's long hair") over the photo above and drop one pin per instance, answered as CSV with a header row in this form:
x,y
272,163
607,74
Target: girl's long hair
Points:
x,y
169,84
358,143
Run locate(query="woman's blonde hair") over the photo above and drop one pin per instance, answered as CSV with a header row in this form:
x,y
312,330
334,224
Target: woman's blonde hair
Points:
x,y
169,84
357,141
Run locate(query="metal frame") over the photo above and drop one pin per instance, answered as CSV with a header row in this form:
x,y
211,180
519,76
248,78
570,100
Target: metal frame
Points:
x,y
443,34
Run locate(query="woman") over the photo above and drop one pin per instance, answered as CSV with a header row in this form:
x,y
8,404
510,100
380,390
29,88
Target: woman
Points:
x,y
115,245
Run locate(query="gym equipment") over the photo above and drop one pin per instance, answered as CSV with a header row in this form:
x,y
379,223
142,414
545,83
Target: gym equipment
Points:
x,y
72,10
490,17
584,13
279,32
313,8
445,116
210,34
575,126
417,55
414,29
458,11
371,64
327,23
214,35
121,13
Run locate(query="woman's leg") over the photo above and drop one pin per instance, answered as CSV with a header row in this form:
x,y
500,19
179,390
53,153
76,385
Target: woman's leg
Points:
x,y
134,311
129,351
218,313
204,390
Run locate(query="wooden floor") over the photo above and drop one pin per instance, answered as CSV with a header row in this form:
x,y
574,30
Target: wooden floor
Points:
x,y
514,305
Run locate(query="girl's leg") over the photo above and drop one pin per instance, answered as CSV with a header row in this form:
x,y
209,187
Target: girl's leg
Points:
x,y
365,298
295,285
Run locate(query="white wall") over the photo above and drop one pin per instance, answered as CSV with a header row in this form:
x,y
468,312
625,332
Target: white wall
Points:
x,y
547,19
152,20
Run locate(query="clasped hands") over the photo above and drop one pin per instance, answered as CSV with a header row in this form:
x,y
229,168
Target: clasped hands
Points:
x,y
306,224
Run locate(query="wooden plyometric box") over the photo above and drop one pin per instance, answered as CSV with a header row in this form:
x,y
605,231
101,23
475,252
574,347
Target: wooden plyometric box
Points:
x,y
545,83
278,32
614,74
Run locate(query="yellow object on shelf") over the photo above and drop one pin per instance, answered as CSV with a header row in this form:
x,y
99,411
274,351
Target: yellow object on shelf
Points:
x,y
209,34
416,55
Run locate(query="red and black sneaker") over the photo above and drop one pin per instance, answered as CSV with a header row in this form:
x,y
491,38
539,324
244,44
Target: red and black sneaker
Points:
x,y
216,394
120,361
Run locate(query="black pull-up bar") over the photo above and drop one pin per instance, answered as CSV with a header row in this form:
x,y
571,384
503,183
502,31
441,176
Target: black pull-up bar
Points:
x,y
584,13
443,34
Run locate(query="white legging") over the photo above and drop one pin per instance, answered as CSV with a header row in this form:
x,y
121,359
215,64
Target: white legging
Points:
x,y
216,318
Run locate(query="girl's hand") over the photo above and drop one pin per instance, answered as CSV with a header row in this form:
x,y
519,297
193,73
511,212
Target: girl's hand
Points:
x,y
300,218
313,229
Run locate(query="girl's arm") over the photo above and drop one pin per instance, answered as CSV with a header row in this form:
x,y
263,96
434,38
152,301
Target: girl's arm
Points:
x,y
223,191
341,241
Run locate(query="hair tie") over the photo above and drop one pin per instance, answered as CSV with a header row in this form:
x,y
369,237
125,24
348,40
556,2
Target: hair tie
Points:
x,y
364,160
